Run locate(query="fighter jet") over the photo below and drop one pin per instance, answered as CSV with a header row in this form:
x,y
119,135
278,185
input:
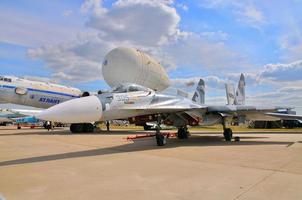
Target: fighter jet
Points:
x,y
238,98
5,116
131,100
18,117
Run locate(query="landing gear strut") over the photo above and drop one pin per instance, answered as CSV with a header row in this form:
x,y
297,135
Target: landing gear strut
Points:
x,y
82,127
161,139
227,132
183,133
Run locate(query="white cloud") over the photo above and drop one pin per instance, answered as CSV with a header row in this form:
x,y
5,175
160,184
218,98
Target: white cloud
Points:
x,y
215,35
189,84
291,44
76,61
251,14
27,30
94,5
282,72
245,11
279,97
142,24
152,26
182,6
67,13
199,53
147,23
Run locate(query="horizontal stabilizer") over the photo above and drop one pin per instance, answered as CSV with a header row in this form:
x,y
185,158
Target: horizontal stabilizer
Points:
x,y
182,93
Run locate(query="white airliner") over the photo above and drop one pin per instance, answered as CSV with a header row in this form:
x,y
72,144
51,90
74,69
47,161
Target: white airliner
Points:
x,y
34,93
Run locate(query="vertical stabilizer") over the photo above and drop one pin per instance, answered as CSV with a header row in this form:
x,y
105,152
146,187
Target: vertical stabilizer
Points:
x,y
199,94
240,92
230,93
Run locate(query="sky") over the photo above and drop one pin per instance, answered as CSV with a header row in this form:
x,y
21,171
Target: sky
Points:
x,y
65,41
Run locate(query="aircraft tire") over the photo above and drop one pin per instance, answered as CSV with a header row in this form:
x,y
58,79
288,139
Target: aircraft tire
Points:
x,y
228,134
182,133
76,128
88,128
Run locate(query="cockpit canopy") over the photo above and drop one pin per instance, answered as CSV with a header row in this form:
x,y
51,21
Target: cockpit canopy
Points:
x,y
129,87
5,79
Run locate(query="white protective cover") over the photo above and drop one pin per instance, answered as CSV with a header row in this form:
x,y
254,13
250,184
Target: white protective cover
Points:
x,y
81,110
128,65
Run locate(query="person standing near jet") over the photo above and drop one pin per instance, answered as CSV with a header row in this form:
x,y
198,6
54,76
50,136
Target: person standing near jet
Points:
x,y
48,125
108,125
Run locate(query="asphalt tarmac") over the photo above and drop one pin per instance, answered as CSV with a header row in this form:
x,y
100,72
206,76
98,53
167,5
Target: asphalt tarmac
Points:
x,y
37,164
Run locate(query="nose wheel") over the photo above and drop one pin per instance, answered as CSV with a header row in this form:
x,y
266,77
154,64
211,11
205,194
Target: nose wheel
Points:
x,y
227,132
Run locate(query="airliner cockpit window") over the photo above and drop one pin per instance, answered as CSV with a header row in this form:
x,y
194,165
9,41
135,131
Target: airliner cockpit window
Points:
x,y
1,78
7,80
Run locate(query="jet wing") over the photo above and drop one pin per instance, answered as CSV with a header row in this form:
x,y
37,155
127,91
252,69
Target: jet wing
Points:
x,y
250,112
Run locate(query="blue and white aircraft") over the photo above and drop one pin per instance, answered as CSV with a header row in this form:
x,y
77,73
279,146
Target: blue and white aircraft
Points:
x,y
35,93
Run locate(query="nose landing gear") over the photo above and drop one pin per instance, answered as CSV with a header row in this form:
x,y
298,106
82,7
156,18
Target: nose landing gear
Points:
x,y
227,132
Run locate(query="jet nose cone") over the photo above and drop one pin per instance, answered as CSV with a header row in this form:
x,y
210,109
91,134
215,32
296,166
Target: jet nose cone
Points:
x,y
81,110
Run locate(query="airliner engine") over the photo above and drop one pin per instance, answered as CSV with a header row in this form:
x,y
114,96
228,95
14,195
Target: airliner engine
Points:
x,y
127,65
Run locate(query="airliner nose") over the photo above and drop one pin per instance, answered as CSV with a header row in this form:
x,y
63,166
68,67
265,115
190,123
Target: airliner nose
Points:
x,y
81,110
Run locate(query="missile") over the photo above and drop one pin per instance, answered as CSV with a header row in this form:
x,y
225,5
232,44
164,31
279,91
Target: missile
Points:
x,y
80,110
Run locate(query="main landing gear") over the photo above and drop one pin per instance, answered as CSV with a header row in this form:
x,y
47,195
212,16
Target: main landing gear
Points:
x,y
82,128
227,132
161,139
183,133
